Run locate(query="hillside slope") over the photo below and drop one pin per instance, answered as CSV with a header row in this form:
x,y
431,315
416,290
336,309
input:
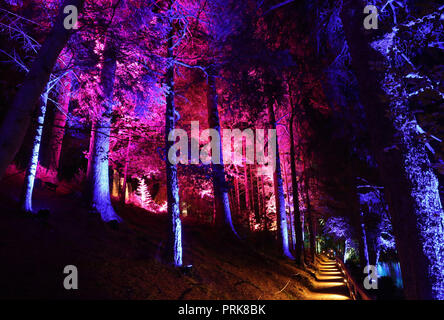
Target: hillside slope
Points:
x,y
125,263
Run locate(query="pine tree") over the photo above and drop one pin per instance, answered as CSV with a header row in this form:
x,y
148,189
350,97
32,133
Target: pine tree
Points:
x,y
144,193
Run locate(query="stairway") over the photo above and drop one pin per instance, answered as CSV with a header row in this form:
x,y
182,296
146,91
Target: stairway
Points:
x,y
329,281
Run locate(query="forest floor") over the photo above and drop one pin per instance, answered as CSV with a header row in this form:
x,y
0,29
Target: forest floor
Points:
x,y
125,263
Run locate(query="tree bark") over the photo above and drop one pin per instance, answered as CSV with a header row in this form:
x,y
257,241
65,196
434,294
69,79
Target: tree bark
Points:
x,y
125,171
279,194
264,204
221,202
58,128
18,117
311,221
174,245
299,242
411,187
259,201
236,189
99,170
247,193
253,202
291,217
28,184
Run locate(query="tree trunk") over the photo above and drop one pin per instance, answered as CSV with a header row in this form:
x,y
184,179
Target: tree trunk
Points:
x,y
115,183
363,244
247,194
411,187
298,225
174,245
264,204
58,128
99,183
253,202
279,194
18,117
221,203
291,218
28,185
236,189
311,221
258,198
125,171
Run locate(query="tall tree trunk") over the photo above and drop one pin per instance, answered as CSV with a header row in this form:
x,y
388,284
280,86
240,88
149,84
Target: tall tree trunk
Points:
x,y
221,203
279,194
291,220
298,225
311,220
28,184
264,204
99,175
125,170
88,185
363,244
253,202
411,187
247,193
174,245
259,202
236,189
58,128
344,254
115,183
18,117
90,151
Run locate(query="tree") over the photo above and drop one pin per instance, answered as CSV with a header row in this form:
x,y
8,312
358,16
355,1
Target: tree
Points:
x,y
16,121
58,126
411,187
28,184
280,197
174,242
221,201
99,175
299,245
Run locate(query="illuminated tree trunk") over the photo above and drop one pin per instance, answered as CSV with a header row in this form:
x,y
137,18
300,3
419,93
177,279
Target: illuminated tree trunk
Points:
x,y
116,183
363,241
344,255
221,203
410,185
253,202
264,203
28,185
174,244
90,151
100,199
360,236
125,171
18,117
258,198
372,250
291,218
58,128
247,194
279,194
298,225
236,189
